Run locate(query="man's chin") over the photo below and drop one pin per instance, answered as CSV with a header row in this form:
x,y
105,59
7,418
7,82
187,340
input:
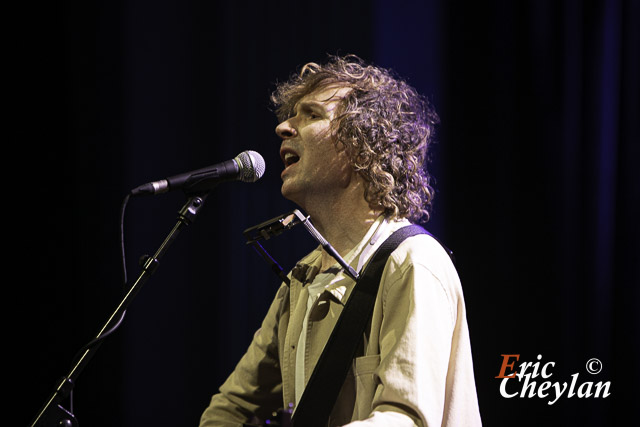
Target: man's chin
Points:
x,y
284,190
289,193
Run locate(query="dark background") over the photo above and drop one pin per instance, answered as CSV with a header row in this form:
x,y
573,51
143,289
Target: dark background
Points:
x,y
536,169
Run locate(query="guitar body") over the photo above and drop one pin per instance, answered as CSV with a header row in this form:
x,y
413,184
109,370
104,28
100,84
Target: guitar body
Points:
x,y
280,418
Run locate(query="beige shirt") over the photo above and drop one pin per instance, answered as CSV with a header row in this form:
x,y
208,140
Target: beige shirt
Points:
x,y
414,367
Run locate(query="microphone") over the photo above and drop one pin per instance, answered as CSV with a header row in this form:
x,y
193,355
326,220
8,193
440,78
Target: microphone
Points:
x,y
247,166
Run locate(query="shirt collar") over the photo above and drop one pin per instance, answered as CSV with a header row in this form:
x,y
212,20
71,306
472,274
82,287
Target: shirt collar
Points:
x,y
306,270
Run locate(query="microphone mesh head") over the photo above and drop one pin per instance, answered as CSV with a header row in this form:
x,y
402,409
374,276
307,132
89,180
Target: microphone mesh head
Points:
x,y
251,165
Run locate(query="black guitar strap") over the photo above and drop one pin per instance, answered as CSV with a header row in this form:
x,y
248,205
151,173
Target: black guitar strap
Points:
x,y
327,378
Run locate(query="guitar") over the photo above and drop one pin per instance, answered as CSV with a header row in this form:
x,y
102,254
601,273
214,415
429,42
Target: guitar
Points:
x,y
280,418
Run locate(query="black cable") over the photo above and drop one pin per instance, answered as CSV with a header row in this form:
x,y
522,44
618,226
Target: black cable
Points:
x,y
124,261
99,339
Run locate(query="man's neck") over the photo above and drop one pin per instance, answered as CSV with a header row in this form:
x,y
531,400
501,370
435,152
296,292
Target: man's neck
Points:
x,y
343,224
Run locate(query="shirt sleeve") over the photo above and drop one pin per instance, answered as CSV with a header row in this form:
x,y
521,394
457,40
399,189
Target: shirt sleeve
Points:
x,y
255,385
387,418
425,376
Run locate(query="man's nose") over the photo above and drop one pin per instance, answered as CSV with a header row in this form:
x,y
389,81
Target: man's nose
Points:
x,y
285,130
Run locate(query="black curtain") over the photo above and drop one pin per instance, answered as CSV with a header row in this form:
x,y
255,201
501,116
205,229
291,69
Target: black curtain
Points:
x,y
537,188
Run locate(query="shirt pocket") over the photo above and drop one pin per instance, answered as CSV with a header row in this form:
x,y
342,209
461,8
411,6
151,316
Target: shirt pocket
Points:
x,y
365,379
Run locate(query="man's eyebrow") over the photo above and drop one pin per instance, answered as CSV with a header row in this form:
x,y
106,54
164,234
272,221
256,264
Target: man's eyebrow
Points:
x,y
310,104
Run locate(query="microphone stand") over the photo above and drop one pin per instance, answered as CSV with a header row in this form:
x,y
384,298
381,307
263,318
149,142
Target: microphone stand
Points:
x,y
52,414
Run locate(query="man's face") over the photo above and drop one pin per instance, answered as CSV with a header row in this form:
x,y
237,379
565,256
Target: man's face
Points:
x,y
314,168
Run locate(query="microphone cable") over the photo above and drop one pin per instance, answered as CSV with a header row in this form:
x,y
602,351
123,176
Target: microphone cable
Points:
x,y
111,330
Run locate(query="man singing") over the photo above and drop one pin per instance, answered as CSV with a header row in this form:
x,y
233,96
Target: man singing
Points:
x,y
354,144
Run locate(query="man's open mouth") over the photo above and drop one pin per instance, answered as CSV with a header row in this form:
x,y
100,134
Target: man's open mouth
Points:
x,y
290,158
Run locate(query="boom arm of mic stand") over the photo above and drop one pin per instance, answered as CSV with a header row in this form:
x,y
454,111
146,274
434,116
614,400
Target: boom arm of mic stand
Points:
x,y
52,413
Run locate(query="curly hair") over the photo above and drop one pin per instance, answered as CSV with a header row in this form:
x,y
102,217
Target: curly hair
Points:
x,y
384,126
